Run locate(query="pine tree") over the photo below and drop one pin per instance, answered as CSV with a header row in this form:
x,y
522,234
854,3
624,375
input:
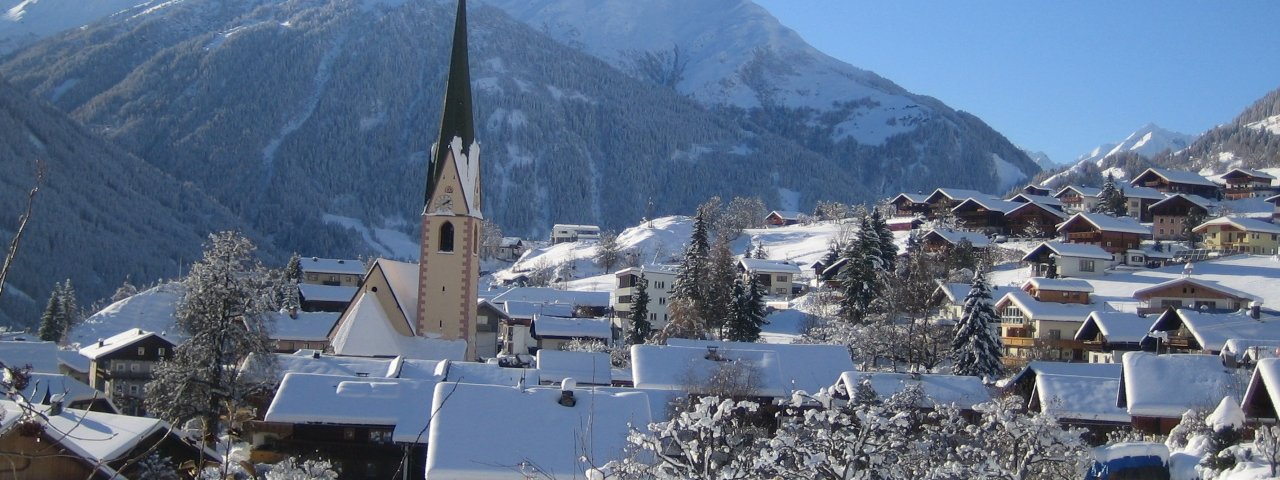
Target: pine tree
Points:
x,y
222,313
761,253
1111,200
748,312
719,285
293,269
688,291
888,249
69,308
640,326
975,349
861,275
51,326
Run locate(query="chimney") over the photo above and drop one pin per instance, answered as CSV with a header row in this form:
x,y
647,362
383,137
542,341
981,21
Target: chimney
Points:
x,y
1255,310
55,408
1188,269
315,354
566,392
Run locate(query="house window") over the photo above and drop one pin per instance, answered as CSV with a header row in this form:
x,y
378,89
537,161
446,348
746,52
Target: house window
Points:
x,y
781,278
133,389
1174,304
1086,266
133,367
1210,304
380,436
142,351
349,434
446,237
160,351
653,317
1055,334
119,366
662,300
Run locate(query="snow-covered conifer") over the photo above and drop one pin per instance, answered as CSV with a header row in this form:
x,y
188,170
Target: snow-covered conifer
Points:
x,y
975,349
51,326
748,312
640,326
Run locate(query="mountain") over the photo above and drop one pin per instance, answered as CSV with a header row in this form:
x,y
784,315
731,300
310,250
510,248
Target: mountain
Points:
x,y
27,21
297,113
1252,140
1041,159
103,215
1120,160
1148,141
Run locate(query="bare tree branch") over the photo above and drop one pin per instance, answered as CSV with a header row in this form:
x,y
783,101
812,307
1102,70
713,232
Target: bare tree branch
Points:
x,y
41,169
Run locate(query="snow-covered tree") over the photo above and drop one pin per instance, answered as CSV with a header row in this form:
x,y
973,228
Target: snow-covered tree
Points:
x,y
293,269
721,272
688,291
760,252
857,441
741,214
52,327
1008,443
640,326
291,469
748,312
860,275
126,290
976,350
714,438
608,252
887,248
156,466
1111,200
1267,444
222,313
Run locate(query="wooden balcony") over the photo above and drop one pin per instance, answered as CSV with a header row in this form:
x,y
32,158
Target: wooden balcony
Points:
x,y
1019,342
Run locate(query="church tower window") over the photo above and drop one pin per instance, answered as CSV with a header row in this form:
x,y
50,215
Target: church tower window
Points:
x,y
446,237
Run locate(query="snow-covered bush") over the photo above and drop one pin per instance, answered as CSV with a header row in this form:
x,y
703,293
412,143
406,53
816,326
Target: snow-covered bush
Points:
x,y
291,469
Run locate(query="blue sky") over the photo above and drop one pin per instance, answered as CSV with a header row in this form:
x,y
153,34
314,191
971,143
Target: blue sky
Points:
x,y
1059,76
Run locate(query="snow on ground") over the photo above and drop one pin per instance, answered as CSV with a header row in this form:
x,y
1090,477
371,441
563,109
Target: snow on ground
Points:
x,y
151,310
388,243
1270,124
1009,174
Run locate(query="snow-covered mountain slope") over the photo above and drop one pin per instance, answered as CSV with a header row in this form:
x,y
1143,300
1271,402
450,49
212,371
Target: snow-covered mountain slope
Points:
x,y
1252,140
1042,159
23,22
1148,141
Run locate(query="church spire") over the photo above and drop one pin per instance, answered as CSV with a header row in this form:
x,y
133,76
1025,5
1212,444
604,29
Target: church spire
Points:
x,y
456,119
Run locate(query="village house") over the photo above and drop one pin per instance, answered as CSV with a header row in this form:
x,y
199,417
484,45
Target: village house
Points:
x,y
331,272
515,337
1240,234
1077,199
983,214
121,366
944,199
1138,202
1275,214
1115,235
1057,259
944,240
1080,401
1176,181
1046,200
585,303
564,232
489,320
1188,331
775,277
301,330
508,249
1245,183
1262,397
782,218
910,205
1106,335
1033,219
660,280
904,224
1156,404
1058,290
325,298
1168,216
1247,351
73,443
951,298
1023,383
1033,189
366,427
800,366
1188,292
553,332
1037,330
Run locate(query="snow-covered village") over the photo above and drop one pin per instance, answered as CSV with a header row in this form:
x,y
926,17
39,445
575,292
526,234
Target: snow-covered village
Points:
x,y
603,239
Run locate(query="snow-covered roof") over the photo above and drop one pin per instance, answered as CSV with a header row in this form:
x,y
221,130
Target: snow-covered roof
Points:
x,y
911,197
565,327
786,214
958,194
487,374
1044,207
1075,250
551,295
1212,331
902,220
510,242
959,390
552,440
402,277
309,326
956,292
1147,389
43,386
1142,192
73,360
1251,349
989,203
332,265
1235,172
367,331
527,310
118,341
1035,310
1116,327
1107,223
1041,199
1060,284
314,362
953,237
326,293
1071,397
1251,225
648,270
1147,292
802,366
770,266
1196,200
100,437
1176,176
1078,190
662,367
1273,199
342,400
151,310
42,356
1263,394
586,368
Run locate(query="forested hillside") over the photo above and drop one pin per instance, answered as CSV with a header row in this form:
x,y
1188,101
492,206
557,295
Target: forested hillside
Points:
x,y
1252,140
102,214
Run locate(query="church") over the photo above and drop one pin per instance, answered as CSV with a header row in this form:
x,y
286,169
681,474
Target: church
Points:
x,y
428,310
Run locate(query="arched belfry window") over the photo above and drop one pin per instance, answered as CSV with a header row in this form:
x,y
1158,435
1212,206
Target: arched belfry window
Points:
x,y
446,237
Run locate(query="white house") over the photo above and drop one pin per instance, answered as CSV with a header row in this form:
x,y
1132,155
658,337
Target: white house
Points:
x,y
660,278
563,232
1069,259
332,272
775,277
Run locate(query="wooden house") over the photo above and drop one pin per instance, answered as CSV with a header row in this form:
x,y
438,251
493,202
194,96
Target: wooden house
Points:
x,y
332,272
1240,234
1031,329
1275,214
1078,199
943,240
1046,200
1115,235
1058,290
910,205
1138,201
1033,189
1262,396
948,198
1189,292
1245,183
1176,181
1033,219
983,214
1168,216
1156,389
782,218
121,366
1189,331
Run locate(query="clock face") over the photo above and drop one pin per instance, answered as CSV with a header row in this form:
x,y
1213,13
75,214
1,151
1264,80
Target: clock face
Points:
x,y
444,202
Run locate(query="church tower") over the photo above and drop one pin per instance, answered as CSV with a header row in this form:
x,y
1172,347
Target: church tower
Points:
x,y
449,266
